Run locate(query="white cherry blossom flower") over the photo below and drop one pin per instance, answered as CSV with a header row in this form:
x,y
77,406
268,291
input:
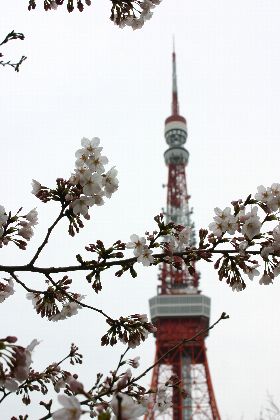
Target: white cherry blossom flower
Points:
x,y
135,362
26,230
252,224
6,290
71,411
98,199
68,310
172,243
92,184
184,236
82,157
217,228
137,244
23,361
81,205
91,146
266,251
143,318
237,287
124,380
222,214
96,163
146,257
274,203
32,217
263,194
265,279
80,175
276,270
252,272
275,189
10,384
36,187
3,216
242,247
130,409
276,233
110,182
31,296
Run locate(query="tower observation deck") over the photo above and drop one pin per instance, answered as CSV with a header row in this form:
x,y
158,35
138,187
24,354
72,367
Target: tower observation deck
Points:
x,y
180,310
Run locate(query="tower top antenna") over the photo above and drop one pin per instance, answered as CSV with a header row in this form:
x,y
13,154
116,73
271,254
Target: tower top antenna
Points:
x,y
175,103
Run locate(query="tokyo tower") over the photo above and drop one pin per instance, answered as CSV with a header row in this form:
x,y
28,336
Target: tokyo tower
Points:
x,y
180,310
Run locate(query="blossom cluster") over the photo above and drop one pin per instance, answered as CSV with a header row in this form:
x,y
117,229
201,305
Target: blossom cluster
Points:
x,y
15,362
87,186
134,14
13,228
57,302
225,222
53,4
174,242
131,330
248,224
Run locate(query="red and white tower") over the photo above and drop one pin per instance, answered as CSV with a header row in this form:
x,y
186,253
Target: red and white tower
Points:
x,y
180,310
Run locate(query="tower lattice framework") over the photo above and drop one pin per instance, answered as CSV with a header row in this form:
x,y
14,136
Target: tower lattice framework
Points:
x,y
180,310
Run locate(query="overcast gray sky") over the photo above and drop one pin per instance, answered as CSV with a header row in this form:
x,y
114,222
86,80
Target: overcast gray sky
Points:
x,y
86,77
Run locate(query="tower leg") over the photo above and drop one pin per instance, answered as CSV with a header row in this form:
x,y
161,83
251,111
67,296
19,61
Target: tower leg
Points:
x,y
190,365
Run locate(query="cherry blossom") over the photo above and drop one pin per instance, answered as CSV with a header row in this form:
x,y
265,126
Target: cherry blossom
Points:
x,y
129,408
110,182
224,221
146,257
71,408
9,383
3,216
137,244
23,361
96,163
36,187
81,205
68,310
92,146
184,236
124,380
136,22
6,290
236,287
32,217
252,272
276,270
26,230
252,224
263,194
92,184
134,362
265,279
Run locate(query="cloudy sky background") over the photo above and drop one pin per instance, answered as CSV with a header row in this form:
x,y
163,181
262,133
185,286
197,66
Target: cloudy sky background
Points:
x,y
86,77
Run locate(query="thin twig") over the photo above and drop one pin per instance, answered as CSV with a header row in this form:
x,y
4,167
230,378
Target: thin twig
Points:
x,y
84,305
45,241
184,341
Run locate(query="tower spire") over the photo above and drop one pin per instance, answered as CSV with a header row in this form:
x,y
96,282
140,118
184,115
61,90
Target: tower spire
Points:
x,y
175,103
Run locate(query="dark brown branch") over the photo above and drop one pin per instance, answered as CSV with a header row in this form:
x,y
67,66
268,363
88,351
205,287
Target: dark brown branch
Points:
x,y
88,267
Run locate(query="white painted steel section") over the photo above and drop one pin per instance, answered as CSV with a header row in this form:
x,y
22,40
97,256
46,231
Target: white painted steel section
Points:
x,y
175,125
179,306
